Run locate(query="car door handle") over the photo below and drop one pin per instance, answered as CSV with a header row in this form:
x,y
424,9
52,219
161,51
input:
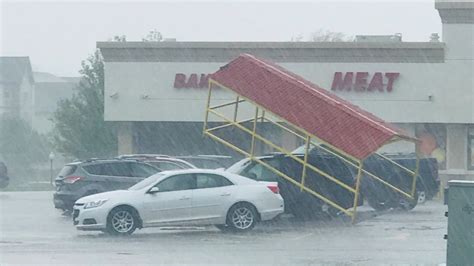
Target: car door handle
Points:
x,y
185,198
225,194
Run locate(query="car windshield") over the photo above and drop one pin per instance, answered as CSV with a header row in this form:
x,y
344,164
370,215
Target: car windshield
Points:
x,y
146,182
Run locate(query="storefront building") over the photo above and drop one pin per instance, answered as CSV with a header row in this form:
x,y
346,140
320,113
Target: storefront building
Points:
x,y
156,91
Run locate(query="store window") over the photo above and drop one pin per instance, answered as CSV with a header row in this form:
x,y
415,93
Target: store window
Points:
x,y
433,142
470,148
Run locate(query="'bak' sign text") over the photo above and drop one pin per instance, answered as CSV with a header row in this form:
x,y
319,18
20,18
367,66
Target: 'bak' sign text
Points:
x,y
361,81
193,82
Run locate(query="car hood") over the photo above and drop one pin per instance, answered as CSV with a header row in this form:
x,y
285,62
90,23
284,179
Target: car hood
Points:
x,y
105,195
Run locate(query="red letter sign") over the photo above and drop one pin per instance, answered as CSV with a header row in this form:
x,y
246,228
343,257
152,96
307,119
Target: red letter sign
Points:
x,y
339,84
192,81
361,81
179,81
345,82
204,81
376,83
391,78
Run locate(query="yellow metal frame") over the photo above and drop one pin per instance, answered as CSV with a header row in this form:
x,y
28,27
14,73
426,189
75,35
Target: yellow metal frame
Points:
x,y
309,140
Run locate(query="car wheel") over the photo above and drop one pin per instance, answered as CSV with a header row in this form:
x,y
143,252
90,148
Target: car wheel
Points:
x,y
242,217
379,205
407,204
421,197
122,221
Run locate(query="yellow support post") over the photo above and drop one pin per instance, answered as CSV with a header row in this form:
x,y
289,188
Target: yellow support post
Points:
x,y
356,196
225,104
306,154
417,169
236,109
207,106
252,146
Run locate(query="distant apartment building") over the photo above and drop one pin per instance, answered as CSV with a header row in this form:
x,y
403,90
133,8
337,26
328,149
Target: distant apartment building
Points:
x,y
31,96
49,90
16,88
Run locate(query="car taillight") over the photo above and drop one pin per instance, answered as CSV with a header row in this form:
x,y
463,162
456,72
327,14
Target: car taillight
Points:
x,y
274,188
72,179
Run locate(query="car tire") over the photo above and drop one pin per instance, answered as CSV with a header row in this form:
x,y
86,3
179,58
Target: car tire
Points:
x,y
379,205
122,221
421,197
407,204
242,217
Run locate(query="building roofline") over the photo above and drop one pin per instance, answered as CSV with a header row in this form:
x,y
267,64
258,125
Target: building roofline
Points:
x,y
445,4
374,52
455,12
288,45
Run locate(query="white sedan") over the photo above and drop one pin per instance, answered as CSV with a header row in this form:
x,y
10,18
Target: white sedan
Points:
x,y
181,197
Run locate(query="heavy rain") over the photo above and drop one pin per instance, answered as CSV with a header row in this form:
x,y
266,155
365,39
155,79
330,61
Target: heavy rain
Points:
x,y
237,132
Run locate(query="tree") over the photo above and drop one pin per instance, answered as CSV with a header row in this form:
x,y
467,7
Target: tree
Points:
x,y
80,130
19,142
20,146
324,36
118,38
329,36
153,36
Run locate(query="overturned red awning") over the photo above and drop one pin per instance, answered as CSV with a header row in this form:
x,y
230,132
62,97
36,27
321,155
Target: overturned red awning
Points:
x,y
307,106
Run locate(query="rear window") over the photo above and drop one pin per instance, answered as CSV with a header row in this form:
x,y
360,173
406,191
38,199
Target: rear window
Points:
x,y
94,169
259,172
109,169
142,170
205,163
67,170
166,166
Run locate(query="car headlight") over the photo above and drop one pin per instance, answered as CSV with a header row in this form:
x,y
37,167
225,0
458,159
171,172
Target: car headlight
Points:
x,y
94,204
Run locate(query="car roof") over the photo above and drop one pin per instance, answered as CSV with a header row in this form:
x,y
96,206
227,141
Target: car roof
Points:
x,y
194,171
154,158
235,178
97,160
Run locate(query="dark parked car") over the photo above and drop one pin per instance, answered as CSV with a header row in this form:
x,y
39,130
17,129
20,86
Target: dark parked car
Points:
x,y
4,179
166,162
381,197
209,161
162,162
79,179
299,203
428,184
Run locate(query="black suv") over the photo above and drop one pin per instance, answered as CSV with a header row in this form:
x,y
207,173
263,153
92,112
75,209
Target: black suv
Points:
x,y
79,179
299,203
380,197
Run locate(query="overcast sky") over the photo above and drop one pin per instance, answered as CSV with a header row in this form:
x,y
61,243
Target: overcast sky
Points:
x,y
58,35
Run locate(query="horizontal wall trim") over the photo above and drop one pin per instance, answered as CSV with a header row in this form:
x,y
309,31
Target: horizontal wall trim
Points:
x,y
278,52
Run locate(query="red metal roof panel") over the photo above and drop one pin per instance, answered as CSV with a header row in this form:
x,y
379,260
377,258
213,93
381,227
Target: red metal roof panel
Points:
x,y
305,105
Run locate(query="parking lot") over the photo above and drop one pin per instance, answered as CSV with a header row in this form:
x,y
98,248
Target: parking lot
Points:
x,y
33,232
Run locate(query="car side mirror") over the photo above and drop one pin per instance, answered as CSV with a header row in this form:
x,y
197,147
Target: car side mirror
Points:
x,y
153,190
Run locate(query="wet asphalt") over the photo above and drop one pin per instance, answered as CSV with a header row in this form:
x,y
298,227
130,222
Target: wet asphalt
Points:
x,y
32,232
